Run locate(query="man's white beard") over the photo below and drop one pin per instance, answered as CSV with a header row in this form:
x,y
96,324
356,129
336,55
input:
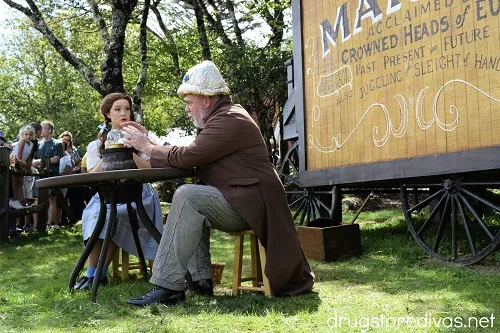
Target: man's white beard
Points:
x,y
199,123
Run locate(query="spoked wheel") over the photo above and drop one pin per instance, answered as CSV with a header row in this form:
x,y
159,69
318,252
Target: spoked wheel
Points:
x,y
306,203
455,219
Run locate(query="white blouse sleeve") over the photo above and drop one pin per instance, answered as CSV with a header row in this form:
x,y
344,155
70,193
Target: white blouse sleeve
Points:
x,y
93,154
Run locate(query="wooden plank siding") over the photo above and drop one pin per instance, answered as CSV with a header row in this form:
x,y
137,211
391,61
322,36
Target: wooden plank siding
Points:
x,y
426,103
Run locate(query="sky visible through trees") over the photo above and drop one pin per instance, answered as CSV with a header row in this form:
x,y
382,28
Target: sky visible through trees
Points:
x,y
4,13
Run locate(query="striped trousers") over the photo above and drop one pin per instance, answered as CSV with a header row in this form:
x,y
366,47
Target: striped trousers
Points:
x,y
185,243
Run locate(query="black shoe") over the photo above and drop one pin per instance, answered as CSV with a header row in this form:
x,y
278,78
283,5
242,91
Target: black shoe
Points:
x,y
85,283
202,287
158,295
15,232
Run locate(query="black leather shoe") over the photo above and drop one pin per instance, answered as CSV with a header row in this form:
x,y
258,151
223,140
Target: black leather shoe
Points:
x,y
85,283
158,295
82,281
202,287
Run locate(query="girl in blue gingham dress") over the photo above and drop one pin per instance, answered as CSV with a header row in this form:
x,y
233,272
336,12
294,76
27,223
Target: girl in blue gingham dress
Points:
x,y
116,108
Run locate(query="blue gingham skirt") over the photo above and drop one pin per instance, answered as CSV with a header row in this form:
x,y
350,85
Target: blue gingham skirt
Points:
x,y
123,233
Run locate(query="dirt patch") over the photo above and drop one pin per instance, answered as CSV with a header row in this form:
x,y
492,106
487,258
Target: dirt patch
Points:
x,y
376,202
486,266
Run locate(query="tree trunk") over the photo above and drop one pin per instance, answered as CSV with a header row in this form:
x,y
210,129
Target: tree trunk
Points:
x,y
137,91
200,22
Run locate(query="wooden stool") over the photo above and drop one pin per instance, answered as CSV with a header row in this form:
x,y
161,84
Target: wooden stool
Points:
x,y
258,257
122,268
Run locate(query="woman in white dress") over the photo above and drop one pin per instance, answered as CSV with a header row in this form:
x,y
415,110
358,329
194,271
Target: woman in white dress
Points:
x,y
117,108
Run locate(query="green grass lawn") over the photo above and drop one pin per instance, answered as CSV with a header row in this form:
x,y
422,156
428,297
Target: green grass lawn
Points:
x,y
392,281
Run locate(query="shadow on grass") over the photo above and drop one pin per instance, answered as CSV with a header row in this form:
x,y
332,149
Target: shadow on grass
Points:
x,y
250,304
68,233
35,288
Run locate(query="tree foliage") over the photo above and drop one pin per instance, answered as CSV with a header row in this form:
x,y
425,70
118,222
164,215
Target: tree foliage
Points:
x,y
36,84
67,54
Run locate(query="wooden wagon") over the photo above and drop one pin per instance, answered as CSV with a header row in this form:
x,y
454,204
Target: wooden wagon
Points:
x,y
399,94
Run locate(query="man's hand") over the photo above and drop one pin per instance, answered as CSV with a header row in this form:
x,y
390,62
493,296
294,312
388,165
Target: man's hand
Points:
x,y
135,125
134,135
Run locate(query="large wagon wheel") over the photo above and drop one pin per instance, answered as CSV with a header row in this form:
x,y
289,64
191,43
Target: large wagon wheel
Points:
x,y
306,203
457,220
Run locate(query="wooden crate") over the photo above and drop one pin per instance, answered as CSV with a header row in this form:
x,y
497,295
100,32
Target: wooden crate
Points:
x,y
330,243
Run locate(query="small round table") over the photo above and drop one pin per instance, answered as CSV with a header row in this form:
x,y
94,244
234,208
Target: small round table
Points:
x,y
115,187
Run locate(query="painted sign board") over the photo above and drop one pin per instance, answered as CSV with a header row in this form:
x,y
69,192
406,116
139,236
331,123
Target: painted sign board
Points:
x,y
386,80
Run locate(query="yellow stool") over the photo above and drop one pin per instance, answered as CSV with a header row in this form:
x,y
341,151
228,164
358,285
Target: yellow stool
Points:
x,y
122,267
258,258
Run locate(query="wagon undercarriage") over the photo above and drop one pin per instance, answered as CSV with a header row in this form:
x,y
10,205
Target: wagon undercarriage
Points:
x,y
454,218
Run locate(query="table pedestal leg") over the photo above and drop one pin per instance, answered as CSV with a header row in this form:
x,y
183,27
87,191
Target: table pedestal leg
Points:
x,y
90,244
105,246
146,220
134,224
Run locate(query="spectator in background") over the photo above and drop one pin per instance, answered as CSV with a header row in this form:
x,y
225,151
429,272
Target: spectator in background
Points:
x,y
65,163
72,151
30,190
13,231
21,152
74,194
3,141
50,148
65,168
84,163
38,130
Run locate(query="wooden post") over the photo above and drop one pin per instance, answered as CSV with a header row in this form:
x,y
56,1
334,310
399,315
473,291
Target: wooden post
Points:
x,y
43,196
63,204
4,194
336,204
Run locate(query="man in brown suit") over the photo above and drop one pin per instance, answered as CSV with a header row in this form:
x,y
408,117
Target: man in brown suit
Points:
x,y
241,190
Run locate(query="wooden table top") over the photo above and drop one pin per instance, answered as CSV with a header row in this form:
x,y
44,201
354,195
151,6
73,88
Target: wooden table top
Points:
x,y
96,178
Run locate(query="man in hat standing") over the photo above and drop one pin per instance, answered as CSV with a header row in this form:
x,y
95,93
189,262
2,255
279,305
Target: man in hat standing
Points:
x,y
241,191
